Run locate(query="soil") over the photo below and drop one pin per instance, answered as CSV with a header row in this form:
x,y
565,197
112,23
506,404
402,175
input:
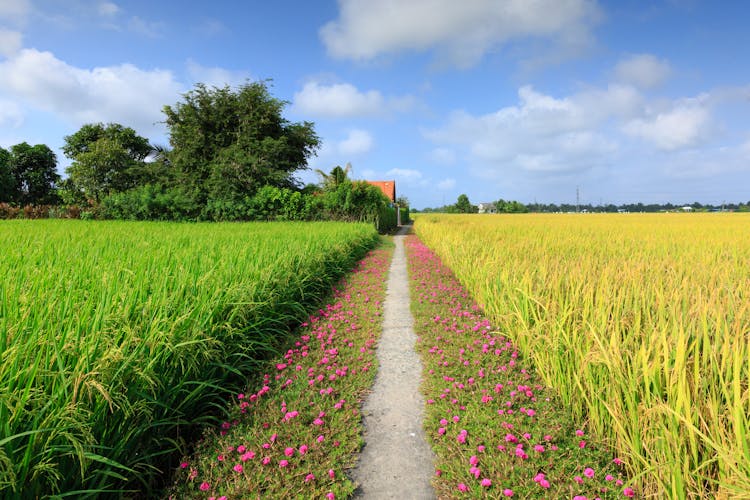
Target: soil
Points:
x,y
396,461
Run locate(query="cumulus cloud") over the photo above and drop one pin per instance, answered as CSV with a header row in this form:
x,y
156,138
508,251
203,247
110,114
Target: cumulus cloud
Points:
x,y
643,70
122,93
338,100
686,125
357,142
213,76
10,42
463,31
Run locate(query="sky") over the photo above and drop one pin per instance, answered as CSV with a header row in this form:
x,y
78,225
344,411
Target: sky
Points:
x,y
532,100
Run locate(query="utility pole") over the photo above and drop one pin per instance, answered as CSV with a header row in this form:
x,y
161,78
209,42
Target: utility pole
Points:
x,y
578,200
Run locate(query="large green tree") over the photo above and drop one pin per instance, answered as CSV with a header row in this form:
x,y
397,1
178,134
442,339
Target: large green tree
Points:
x,y
7,181
107,159
34,170
228,143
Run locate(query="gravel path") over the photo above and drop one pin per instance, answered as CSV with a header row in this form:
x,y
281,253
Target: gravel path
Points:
x,y
396,461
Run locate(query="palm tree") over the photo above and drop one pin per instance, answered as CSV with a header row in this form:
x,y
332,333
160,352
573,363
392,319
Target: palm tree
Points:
x,y
336,177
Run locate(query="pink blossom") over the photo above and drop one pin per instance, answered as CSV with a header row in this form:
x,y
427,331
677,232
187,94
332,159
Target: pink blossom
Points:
x,y
508,492
486,483
582,444
473,460
589,472
579,433
578,479
580,497
309,477
544,483
331,474
462,487
330,495
241,449
303,449
628,492
539,448
283,463
237,468
184,465
289,452
320,438
204,486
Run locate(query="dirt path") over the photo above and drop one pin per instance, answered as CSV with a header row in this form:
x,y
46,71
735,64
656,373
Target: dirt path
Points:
x,y
396,461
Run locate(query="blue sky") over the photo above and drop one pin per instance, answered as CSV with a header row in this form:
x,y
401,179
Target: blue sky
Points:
x,y
517,99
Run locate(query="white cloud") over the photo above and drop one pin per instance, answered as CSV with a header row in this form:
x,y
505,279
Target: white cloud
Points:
x,y
356,143
337,100
463,31
686,125
215,76
10,114
123,93
15,10
406,174
108,9
643,70
446,184
10,42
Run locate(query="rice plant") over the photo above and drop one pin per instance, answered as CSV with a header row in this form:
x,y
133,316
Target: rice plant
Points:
x,y
118,339
641,322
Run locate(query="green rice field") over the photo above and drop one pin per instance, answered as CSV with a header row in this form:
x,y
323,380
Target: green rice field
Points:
x,y
117,339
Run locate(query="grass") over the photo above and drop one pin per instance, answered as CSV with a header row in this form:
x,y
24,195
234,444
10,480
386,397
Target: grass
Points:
x,y
296,432
641,322
119,339
496,429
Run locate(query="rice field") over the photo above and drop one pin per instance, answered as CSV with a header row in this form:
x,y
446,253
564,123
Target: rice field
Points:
x,y
640,321
117,339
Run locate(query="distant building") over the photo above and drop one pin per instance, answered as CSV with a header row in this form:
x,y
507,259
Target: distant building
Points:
x,y
687,209
487,208
387,187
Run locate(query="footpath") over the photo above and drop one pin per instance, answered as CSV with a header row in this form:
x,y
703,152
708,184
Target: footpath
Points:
x,y
396,461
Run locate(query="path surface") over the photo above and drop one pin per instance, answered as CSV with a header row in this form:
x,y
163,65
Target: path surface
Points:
x,y
396,461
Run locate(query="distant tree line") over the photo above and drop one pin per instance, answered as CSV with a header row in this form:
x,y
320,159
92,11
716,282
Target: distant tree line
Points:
x,y
463,205
231,156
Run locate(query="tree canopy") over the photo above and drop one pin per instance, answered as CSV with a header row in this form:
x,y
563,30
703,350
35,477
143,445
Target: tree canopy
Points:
x,y
106,159
29,174
226,143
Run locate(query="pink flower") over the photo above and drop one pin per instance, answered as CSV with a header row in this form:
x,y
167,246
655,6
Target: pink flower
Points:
x,y
283,463
589,472
241,449
628,492
320,438
480,448
473,460
184,465
544,483
237,468
266,460
441,431
331,474
330,495
289,451
204,486
609,477
309,477
303,449
486,483
508,492
580,497
579,433
462,487
539,448
318,421
618,461
582,444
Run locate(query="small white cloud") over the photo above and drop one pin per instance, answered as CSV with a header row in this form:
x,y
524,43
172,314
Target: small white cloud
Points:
x,y
405,174
123,93
461,31
643,70
356,143
150,29
686,125
10,42
108,9
337,100
215,76
446,184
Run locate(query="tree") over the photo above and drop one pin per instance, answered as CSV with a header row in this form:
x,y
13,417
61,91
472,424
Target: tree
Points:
x,y
7,181
402,201
106,159
34,169
227,144
464,206
337,176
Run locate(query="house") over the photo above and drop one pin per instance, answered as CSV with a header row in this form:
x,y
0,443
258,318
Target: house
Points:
x,y
487,208
387,187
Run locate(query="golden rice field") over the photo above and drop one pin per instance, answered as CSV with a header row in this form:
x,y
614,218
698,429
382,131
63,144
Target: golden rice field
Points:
x,y
641,321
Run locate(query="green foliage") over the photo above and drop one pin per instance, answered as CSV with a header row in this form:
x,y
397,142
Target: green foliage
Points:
x,y
510,207
464,206
228,144
34,172
149,202
106,159
7,181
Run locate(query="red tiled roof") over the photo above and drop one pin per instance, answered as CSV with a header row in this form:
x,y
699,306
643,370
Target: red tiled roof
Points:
x,y
387,187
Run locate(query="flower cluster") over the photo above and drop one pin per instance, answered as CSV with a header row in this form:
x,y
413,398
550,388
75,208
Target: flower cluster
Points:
x,y
495,427
296,432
